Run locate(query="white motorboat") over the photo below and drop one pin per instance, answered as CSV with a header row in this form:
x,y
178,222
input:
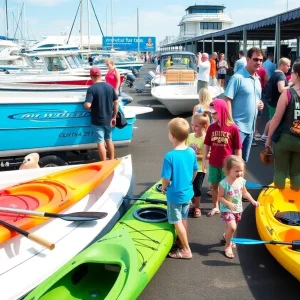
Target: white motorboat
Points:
x,y
179,99
25,264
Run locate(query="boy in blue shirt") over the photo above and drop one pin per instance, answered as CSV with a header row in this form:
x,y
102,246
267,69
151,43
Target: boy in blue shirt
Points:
x,y
178,173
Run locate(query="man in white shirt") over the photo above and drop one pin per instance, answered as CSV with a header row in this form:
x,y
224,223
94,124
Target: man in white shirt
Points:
x,y
203,71
240,63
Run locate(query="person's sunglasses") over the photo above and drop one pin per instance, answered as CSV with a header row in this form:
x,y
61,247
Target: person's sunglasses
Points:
x,y
257,59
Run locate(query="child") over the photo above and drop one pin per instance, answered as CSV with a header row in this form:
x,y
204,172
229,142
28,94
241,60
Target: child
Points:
x,y
204,101
231,190
180,166
222,139
200,123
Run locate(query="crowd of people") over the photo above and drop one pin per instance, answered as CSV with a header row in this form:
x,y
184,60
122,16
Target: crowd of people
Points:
x,y
221,138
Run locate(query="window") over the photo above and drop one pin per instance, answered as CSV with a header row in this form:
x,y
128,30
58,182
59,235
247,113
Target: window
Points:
x,y
211,25
204,11
55,64
71,62
49,45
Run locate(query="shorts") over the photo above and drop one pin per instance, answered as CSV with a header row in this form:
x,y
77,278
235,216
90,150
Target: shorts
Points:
x,y
197,184
201,84
271,111
221,76
230,216
215,175
102,133
177,212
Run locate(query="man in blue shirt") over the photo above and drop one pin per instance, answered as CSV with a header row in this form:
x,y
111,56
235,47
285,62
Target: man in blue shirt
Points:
x,y
240,63
269,66
243,95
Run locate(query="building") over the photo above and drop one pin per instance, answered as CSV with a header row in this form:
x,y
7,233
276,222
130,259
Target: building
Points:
x,y
203,19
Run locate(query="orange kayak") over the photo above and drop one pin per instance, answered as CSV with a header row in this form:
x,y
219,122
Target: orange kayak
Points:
x,y
52,193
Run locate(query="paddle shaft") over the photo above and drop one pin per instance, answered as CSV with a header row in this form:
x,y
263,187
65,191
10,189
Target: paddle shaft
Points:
x,y
153,201
29,235
72,217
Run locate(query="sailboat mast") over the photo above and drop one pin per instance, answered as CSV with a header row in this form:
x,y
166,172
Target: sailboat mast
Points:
x,y
89,37
138,30
81,22
6,16
112,26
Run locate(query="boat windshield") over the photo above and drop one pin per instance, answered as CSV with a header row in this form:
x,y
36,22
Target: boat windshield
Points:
x,y
80,60
55,64
72,62
178,61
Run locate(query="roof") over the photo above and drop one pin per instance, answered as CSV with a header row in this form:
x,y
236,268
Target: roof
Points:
x,y
259,30
206,7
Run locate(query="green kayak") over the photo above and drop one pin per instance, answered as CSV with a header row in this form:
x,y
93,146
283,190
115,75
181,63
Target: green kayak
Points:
x,y
119,265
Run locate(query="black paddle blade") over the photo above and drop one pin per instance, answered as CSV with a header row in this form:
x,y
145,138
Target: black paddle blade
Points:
x,y
84,216
296,245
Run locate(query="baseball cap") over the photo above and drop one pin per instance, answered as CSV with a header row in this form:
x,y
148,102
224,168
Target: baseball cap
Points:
x,y
95,71
211,108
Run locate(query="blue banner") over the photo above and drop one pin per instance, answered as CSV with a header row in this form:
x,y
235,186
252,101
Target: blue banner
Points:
x,y
130,43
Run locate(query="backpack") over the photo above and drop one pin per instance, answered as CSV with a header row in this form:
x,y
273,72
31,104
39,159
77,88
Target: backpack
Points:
x,y
268,90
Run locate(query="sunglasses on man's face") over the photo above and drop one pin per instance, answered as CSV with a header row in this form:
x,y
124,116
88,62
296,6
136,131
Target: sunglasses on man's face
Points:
x,y
257,59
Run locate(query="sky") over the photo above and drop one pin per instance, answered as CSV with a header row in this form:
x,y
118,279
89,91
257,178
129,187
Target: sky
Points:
x,y
157,18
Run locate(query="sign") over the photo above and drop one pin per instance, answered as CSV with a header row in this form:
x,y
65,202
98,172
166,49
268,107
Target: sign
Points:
x,y
130,43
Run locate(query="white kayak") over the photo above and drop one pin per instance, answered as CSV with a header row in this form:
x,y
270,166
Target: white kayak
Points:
x,y
25,264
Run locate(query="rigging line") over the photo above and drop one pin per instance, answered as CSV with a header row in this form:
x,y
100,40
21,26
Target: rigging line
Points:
x,y
19,22
31,31
73,22
139,244
143,259
96,17
154,241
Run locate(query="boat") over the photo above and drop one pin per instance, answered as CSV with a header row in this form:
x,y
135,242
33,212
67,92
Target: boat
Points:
x,y
28,118
51,193
122,263
19,255
179,99
272,221
175,61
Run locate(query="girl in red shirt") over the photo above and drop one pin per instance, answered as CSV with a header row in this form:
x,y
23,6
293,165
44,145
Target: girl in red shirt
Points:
x,y
222,139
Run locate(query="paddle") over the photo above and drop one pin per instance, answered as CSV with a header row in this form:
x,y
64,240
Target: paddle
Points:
x,y
153,201
72,217
30,236
254,185
295,244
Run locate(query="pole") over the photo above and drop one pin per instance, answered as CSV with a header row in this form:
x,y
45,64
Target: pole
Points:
x,y
138,31
96,17
73,23
287,5
81,23
89,37
6,16
112,26
106,22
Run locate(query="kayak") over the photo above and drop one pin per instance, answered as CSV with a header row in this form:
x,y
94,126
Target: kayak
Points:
x,y
18,255
51,193
276,219
121,264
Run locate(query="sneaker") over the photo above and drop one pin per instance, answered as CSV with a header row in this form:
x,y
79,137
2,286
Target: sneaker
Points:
x,y
257,135
263,138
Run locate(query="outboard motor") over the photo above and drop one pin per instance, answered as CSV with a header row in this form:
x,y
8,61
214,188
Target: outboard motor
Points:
x,y
130,79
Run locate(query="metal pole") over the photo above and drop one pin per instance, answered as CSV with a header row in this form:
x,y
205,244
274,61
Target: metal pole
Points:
x,y
112,26
244,40
203,45
96,17
6,18
277,41
287,5
212,44
138,30
89,37
73,23
226,48
81,23
106,22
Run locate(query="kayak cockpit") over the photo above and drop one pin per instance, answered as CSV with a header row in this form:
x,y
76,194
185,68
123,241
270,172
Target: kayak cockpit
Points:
x,y
86,281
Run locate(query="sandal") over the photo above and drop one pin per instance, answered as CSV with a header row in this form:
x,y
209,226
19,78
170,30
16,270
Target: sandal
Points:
x,y
213,212
180,253
209,193
228,253
233,245
197,212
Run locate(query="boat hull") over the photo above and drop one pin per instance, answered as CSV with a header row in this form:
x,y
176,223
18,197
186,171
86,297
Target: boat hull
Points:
x,y
124,260
269,228
179,99
61,125
19,255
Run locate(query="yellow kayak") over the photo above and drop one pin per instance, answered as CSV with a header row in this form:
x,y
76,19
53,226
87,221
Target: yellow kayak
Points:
x,y
278,218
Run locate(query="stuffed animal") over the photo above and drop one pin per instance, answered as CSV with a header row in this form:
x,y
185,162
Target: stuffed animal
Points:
x,y
31,161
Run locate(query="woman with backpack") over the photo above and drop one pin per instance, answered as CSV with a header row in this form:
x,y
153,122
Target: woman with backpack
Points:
x,y
284,131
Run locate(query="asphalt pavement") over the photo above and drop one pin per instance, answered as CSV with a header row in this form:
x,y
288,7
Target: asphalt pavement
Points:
x,y
252,274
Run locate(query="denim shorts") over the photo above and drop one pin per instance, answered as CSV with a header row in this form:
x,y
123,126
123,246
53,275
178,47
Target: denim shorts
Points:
x,y
177,212
102,133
